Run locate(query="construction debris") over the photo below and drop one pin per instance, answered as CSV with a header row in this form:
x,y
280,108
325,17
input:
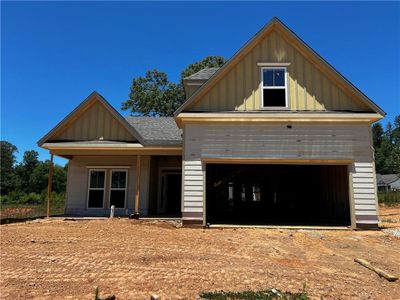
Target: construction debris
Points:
x,y
380,272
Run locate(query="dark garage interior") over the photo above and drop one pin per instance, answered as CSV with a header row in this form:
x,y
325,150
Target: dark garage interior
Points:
x,y
314,195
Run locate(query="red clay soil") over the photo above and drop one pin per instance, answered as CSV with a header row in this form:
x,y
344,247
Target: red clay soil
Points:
x,y
57,259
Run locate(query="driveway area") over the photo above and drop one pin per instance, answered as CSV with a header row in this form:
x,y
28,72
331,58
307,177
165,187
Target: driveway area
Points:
x,y
59,259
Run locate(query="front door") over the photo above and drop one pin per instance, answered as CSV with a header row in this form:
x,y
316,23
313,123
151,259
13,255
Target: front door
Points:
x,y
170,193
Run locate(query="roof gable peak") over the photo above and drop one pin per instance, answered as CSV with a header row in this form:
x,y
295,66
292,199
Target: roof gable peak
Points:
x,y
85,105
277,26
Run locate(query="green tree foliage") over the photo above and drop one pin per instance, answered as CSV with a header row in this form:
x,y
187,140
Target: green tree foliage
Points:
x,y
30,176
377,134
387,147
208,62
39,179
8,176
155,95
25,169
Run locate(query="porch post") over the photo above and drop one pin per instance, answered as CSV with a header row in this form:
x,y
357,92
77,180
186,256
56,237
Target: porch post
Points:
x,y
49,183
137,188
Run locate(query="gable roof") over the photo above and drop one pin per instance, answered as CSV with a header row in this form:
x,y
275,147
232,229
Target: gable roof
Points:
x,y
203,74
85,104
277,25
157,130
386,179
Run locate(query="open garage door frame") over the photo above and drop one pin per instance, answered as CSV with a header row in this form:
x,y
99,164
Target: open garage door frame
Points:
x,y
249,161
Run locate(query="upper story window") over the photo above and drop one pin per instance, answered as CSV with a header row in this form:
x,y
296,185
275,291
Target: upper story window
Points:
x,y
274,88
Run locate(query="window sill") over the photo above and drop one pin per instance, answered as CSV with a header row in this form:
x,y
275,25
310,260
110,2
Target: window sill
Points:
x,y
274,108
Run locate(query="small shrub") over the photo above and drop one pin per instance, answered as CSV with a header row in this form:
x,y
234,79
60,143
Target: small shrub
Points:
x,y
14,197
31,198
271,294
4,199
389,198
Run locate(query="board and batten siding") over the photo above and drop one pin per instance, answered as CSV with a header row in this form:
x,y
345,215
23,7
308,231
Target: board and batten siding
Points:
x,y
94,124
77,184
316,141
309,89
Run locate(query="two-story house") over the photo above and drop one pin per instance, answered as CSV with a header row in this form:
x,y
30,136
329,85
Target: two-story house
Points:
x,y
276,136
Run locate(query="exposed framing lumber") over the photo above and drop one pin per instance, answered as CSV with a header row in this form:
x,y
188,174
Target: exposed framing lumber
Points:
x,y
137,187
378,271
49,185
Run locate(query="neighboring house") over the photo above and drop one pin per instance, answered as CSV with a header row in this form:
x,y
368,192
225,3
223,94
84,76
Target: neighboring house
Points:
x,y
275,136
388,182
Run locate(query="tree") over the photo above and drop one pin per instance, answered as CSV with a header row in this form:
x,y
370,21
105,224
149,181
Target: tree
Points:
x,y
25,170
387,147
377,134
208,62
39,179
8,177
155,95
396,131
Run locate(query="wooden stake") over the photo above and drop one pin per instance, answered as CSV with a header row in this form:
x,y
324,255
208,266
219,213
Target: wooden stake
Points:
x,y
380,272
137,187
49,184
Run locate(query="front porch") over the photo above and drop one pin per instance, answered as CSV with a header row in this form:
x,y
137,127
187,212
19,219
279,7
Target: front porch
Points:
x,y
137,185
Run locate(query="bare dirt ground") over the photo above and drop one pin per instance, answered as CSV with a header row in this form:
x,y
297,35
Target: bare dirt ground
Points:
x,y
390,216
57,259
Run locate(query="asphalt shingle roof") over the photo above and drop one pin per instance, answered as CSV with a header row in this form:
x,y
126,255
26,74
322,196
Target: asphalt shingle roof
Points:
x,y
157,130
386,179
204,74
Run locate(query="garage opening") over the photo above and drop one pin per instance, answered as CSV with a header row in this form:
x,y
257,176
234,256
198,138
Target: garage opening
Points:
x,y
277,194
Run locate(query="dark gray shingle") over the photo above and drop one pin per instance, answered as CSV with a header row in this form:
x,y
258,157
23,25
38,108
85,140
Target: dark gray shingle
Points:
x,y
386,179
204,74
157,130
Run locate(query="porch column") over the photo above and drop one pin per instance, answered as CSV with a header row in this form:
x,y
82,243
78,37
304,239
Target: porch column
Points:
x,y
137,188
49,183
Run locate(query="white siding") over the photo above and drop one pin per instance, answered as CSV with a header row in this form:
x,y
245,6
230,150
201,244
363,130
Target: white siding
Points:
x,y
319,141
78,181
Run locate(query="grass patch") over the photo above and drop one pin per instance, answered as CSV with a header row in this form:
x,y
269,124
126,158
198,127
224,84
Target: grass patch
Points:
x,y
391,198
19,207
270,294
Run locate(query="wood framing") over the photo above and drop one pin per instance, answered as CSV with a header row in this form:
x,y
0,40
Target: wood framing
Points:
x,y
49,186
137,185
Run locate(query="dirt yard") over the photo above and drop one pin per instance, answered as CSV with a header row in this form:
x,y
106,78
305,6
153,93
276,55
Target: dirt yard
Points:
x,y
57,259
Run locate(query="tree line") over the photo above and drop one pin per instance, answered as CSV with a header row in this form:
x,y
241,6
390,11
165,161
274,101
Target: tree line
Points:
x,y
27,181
387,147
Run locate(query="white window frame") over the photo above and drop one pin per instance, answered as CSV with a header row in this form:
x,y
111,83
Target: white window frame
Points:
x,y
96,189
118,189
262,87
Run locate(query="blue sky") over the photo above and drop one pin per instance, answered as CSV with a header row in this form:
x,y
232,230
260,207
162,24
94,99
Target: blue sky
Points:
x,y
54,54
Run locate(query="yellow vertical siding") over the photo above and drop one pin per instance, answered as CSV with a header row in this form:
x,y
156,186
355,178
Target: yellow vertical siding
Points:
x,y
94,123
308,88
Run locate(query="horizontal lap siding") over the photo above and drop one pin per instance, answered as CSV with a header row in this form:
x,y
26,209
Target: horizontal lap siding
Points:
x,y
276,141
78,181
365,202
193,187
